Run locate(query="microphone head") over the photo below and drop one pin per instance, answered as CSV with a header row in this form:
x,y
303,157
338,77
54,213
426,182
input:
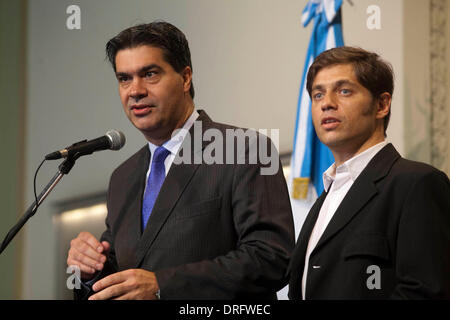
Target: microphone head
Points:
x,y
117,139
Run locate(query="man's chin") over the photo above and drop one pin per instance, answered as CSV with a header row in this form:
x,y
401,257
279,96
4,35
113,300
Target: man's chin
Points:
x,y
328,138
332,142
146,127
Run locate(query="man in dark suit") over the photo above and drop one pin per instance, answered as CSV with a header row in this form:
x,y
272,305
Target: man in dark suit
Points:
x,y
381,230
179,228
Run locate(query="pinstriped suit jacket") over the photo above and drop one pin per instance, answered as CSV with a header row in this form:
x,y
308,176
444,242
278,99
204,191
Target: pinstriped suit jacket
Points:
x,y
217,231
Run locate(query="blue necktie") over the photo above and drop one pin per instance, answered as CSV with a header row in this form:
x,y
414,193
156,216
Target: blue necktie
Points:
x,y
154,183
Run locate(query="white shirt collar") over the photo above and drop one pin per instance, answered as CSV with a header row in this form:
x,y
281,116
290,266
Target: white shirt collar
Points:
x,y
174,144
352,167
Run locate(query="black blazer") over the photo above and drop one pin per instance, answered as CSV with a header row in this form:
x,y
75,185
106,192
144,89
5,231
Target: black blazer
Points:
x,y
217,231
396,216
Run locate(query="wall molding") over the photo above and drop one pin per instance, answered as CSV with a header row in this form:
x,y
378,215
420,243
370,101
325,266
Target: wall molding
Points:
x,y
439,121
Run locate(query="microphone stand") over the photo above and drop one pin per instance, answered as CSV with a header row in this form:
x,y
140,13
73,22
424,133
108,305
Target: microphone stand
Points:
x,y
64,168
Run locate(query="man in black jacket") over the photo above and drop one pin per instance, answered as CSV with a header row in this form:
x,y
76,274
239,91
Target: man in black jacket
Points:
x,y
381,228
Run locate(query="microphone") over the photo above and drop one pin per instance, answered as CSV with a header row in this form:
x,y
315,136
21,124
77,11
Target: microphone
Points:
x,y
113,140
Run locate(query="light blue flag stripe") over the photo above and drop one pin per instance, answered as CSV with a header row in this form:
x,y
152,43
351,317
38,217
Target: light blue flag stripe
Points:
x,y
310,158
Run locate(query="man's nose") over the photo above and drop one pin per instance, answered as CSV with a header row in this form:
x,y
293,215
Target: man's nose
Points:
x,y
138,90
329,101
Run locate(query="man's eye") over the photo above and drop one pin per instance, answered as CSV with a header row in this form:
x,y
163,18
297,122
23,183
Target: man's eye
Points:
x,y
345,91
123,79
149,74
317,95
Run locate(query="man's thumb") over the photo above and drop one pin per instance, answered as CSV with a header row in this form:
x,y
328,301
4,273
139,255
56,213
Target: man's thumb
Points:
x,y
106,247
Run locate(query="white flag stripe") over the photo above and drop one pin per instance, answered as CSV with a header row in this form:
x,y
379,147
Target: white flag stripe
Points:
x,y
330,10
301,130
331,39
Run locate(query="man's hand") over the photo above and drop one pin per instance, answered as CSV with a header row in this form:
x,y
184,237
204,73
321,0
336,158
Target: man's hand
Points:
x,y
88,254
132,284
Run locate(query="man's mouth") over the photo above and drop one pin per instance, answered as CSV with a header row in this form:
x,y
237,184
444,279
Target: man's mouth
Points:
x,y
141,109
330,122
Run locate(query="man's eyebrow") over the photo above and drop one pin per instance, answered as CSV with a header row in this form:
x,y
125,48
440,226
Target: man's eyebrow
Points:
x,y
336,84
141,70
344,82
149,67
122,74
317,87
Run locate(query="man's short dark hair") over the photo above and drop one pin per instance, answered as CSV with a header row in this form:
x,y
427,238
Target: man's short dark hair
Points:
x,y
373,73
159,34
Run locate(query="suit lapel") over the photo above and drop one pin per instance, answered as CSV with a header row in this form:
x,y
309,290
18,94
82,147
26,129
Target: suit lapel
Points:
x,y
173,187
130,207
310,221
361,192
298,256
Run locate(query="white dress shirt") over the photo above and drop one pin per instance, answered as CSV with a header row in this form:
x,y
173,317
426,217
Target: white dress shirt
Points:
x,y
341,179
173,145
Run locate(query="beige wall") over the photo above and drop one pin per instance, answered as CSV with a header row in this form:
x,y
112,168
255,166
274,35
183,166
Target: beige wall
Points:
x,y
417,80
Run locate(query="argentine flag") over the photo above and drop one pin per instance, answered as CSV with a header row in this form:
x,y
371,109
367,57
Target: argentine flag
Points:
x,y
310,158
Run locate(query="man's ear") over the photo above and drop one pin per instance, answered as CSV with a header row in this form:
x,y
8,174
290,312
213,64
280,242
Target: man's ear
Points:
x,y
187,78
383,105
